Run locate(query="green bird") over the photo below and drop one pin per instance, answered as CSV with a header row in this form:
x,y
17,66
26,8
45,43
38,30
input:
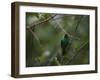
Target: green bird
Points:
x,y
64,44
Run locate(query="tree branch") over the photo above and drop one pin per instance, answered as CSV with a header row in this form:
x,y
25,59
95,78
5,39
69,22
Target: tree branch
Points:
x,y
35,24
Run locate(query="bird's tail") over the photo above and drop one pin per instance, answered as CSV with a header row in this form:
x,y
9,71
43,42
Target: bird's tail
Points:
x,y
63,52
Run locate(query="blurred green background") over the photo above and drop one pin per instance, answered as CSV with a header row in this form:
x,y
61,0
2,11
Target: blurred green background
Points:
x,y
44,33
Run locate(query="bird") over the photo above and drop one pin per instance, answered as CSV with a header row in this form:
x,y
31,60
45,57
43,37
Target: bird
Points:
x,y
64,44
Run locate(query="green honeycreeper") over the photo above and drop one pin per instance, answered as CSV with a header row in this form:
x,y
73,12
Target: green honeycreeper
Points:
x,y
64,44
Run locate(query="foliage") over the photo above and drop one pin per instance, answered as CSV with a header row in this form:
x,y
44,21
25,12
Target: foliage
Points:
x,y
44,33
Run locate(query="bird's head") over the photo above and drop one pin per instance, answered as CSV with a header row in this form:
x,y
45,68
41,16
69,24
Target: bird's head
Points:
x,y
66,36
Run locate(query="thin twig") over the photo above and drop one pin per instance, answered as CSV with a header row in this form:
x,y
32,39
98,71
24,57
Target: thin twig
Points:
x,y
78,23
34,35
57,62
76,27
77,53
